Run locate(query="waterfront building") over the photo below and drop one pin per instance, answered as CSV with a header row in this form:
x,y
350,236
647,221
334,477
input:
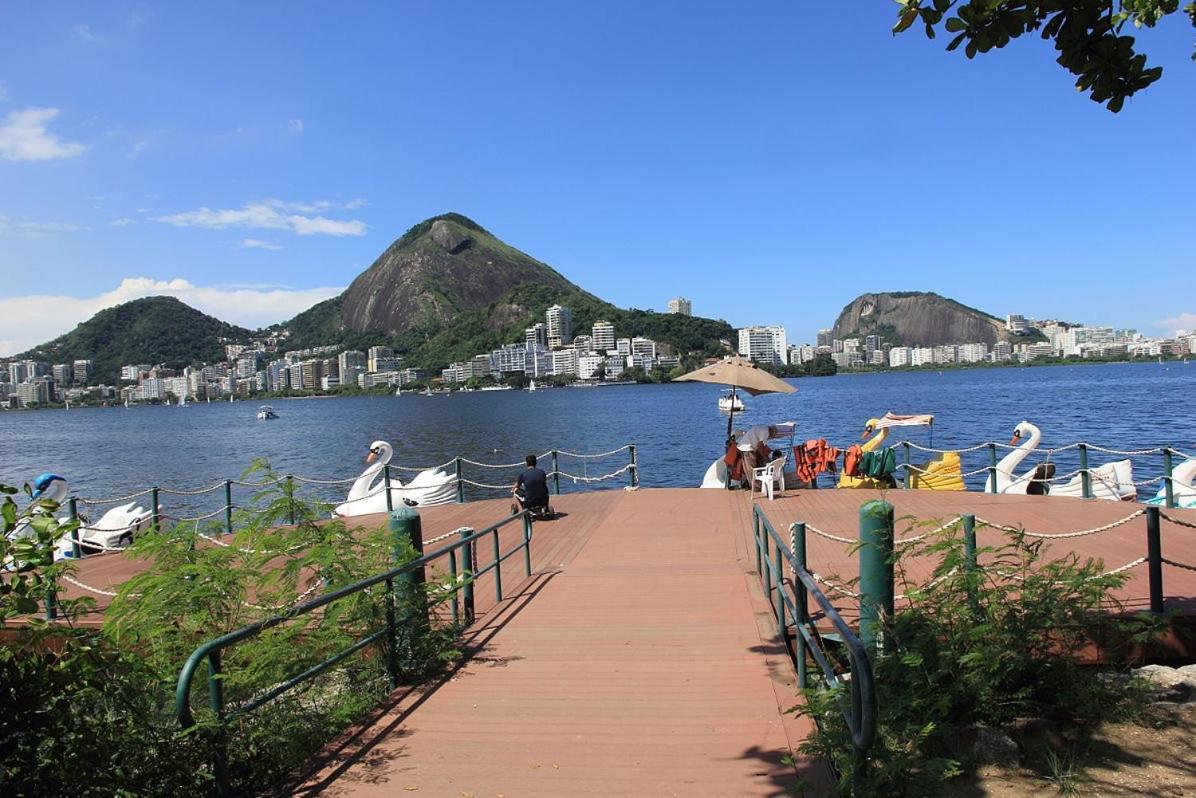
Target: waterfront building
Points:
x,y
583,343
947,353
351,359
276,375
921,356
972,353
560,325
410,375
391,379
1039,350
509,359
1016,323
18,372
35,392
668,361
476,367
564,361
83,370
312,372
537,361
872,342
63,373
623,347
645,362
614,366
329,381
1002,351
764,344
681,306
294,377
842,359
589,365
824,338
603,336
877,357
152,388
899,356
382,358
536,335
643,346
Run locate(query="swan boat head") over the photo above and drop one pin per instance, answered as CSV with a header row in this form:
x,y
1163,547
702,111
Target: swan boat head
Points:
x,y
49,487
380,452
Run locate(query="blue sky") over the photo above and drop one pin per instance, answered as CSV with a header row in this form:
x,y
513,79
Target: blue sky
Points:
x,y
769,161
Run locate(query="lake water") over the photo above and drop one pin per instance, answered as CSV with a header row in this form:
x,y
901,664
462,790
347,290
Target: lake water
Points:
x,y
677,427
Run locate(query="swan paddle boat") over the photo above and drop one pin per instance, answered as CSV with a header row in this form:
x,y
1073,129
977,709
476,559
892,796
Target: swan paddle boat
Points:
x,y
368,493
114,530
1183,489
730,402
941,473
1112,481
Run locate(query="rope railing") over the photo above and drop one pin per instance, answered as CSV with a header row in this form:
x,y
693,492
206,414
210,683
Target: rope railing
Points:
x,y
1062,535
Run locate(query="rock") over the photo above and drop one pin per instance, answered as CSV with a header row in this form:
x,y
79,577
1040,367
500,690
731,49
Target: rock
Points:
x,y
994,747
1189,671
1168,684
448,236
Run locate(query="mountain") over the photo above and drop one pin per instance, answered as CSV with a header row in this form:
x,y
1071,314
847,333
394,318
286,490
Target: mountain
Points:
x,y
157,329
918,318
448,289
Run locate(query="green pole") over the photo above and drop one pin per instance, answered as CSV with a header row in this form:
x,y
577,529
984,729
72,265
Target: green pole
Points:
x,y
460,483
73,508
1168,482
756,536
228,506
467,569
1085,477
797,542
633,472
497,567
291,497
876,569
970,563
154,514
556,475
992,468
779,602
908,473
1154,559
51,602
390,501
527,544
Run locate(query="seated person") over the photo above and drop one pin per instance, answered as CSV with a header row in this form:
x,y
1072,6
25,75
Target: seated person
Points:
x,y
531,487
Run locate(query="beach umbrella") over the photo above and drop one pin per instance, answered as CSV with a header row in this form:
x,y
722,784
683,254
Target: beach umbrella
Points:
x,y
741,375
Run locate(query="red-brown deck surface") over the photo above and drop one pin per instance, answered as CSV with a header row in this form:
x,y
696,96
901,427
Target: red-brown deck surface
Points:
x,y
632,666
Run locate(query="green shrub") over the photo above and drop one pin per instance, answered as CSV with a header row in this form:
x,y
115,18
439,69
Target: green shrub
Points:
x,y
978,647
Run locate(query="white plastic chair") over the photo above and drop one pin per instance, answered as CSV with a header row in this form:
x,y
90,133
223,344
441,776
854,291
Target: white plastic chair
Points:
x,y
769,476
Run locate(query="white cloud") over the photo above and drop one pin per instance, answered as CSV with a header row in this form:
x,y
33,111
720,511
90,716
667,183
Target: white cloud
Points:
x,y
34,227
123,221
271,214
31,320
23,137
1181,321
254,243
295,126
85,33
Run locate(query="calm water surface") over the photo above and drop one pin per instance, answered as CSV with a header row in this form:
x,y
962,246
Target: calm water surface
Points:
x,y
677,427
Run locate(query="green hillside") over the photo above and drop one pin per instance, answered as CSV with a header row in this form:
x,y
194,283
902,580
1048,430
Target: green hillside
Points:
x,y
154,330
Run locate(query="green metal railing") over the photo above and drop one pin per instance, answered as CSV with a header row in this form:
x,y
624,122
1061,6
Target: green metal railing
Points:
x,y
792,607
412,574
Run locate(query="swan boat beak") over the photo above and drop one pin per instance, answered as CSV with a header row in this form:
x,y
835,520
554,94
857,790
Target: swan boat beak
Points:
x,y
1014,440
372,456
867,431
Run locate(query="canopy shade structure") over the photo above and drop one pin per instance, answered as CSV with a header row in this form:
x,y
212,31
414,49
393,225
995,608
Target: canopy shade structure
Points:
x,y
741,375
891,419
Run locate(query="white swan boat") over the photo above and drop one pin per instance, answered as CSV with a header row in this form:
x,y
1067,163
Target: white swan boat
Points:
x,y
729,402
115,529
1112,481
1183,486
368,493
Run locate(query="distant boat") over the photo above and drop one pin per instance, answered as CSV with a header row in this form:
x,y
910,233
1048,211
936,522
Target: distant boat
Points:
x,y
183,400
428,391
265,413
399,391
531,386
729,402
230,398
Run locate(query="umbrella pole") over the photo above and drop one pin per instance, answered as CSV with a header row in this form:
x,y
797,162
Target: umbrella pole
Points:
x,y
731,415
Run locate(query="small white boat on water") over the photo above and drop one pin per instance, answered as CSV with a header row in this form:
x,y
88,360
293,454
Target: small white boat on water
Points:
x,y
730,402
531,386
265,413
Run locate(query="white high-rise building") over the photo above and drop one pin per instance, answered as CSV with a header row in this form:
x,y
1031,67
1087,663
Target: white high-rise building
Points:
x,y
560,325
899,356
921,356
564,361
681,306
588,365
764,344
603,336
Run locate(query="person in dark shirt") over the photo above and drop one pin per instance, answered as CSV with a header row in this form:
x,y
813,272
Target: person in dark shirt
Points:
x,y
531,487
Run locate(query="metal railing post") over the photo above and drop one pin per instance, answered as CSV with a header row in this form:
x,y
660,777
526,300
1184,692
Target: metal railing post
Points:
x,y
1085,477
556,475
73,509
779,602
390,501
633,472
460,483
756,536
527,544
876,570
291,498
992,468
155,510
1168,481
765,571
219,743
969,542
908,472
797,542
228,506
497,568
467,569
51,602
1154,559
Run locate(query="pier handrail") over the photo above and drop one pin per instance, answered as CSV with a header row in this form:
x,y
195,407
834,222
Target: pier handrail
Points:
x,y
860,711
461,582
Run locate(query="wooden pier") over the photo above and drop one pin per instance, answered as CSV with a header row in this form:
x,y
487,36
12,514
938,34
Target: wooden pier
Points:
x,y
640,659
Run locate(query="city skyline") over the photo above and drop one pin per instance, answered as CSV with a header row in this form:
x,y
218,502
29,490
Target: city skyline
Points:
x,y
641,154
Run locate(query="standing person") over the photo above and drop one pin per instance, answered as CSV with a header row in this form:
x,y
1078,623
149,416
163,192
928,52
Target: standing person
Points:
x,y
531,487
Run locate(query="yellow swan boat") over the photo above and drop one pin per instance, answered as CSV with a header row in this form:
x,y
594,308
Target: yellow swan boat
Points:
x,y
942,473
